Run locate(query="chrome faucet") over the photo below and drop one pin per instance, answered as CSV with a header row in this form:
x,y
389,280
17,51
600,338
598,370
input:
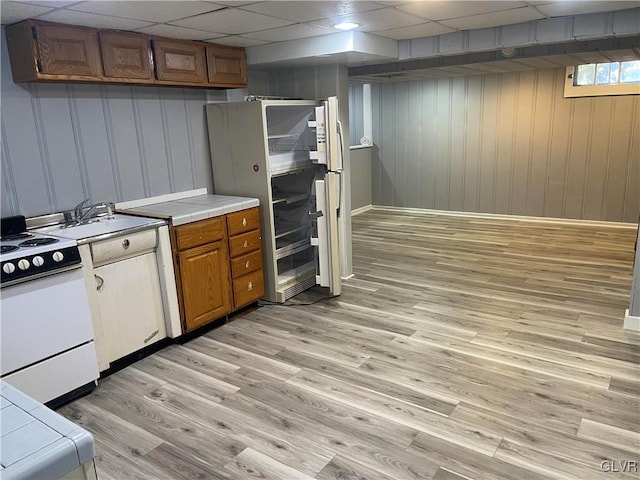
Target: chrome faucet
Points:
x,y
78,210
81,216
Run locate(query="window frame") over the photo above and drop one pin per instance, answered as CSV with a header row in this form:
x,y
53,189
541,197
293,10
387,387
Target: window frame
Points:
x,y
571,90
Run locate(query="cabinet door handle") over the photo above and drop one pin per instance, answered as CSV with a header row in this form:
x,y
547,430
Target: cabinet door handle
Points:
x,y
250,286
99,282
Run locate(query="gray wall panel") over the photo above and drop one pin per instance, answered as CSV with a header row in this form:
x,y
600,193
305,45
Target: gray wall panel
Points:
x,y
506,143
198,139
413,146
65,142
126,143
471,179
31,185
442,169
387,149
427,142
401,144
488,132
93,143
61,156
356,119
632,197
457,154
361,175
577,158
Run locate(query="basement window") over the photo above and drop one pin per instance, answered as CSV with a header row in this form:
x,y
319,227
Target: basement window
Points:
x,y
595,79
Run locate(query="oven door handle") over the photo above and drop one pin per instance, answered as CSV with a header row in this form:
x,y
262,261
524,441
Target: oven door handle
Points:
x,y
99,282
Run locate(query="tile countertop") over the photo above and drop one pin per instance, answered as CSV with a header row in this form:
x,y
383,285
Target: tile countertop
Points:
x,y
37,442
192,209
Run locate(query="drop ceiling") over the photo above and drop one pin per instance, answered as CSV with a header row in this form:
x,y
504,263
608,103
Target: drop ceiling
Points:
x,y
254,24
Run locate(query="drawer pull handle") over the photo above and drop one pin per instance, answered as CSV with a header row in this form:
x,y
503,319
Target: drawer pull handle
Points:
x,y
126,243
246,244
244,222
246,265
151,336
250,286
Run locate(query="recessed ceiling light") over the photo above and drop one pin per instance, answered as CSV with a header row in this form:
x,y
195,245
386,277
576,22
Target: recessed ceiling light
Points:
x,y
346,26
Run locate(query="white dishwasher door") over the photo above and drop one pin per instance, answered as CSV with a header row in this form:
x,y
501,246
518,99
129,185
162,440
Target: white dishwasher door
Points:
x,y
130,304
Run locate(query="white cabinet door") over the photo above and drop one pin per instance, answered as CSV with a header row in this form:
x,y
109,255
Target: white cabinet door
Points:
x,y
130,305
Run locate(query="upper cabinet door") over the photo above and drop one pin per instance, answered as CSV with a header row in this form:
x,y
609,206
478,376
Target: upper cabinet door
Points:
x,y
65,50
179,61
126,55
226,65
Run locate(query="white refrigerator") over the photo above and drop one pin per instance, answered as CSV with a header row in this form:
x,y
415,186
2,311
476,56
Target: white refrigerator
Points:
x,y
287,153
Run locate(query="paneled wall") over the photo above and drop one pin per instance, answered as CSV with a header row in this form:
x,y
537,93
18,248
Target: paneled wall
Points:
x,y
360,177
356,120
506,143
66,142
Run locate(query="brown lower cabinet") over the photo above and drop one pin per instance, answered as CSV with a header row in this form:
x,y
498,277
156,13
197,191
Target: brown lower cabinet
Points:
x,y
210,282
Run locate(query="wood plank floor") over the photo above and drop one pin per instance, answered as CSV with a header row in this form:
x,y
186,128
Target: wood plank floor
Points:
x,y
463,348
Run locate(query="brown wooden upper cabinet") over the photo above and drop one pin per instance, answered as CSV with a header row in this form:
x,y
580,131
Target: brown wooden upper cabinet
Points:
x,y
126,55
179,61
227,65
46,51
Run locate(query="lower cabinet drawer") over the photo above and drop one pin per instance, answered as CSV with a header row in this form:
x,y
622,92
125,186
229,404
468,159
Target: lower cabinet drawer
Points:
x,y
248,288
246,264
245,243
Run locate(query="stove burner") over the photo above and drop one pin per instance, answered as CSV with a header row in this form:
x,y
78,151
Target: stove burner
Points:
x,y
7,248
15,236
36,242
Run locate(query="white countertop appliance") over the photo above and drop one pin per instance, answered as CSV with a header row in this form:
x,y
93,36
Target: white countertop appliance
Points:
x,y
46,346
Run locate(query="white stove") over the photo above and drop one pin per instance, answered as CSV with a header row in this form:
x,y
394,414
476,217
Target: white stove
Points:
x,y
46,346
24,256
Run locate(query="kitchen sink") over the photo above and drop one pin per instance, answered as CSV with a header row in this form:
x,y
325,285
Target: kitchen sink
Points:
x,y
98,226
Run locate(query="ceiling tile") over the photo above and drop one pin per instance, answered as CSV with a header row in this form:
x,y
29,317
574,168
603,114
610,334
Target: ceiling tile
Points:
x,y
373,20
291,32
12,12
440,10
164,11
505,17
308,11
557,9
428,29
232,20
172,31
237,41
92,20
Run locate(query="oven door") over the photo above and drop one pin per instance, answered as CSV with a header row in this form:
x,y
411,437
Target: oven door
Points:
x,y
42,319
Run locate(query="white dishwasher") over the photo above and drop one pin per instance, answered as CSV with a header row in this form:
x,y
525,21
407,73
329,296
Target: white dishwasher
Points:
x,y
128,290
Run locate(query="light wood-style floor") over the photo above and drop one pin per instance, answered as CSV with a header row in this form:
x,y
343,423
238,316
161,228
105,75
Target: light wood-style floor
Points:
x,y
463,348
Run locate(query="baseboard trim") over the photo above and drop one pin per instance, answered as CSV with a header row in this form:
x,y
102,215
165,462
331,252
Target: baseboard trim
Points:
x,y
453,213
358,211
631,323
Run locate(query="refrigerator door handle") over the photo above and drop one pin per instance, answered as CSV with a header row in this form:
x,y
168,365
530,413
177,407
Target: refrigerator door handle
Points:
x,y
321,241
